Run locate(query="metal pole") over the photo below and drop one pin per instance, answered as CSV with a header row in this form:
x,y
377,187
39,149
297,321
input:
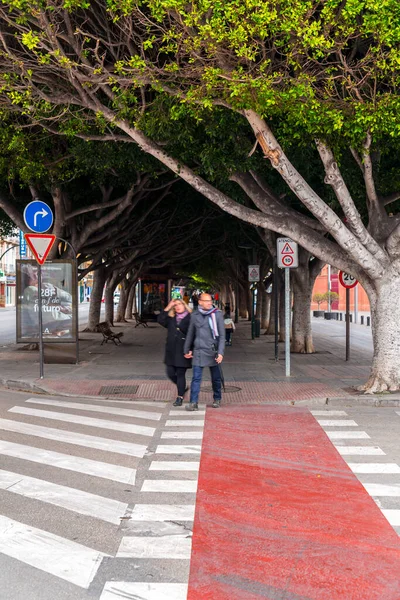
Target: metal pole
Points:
x,y
329,289
41,356
276,303
252,312
347,324
287,321
356,304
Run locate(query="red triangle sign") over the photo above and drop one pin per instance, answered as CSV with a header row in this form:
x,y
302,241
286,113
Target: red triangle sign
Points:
x,y
287,249
40,245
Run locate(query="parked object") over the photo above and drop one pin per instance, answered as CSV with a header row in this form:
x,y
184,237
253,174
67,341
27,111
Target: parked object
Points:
x,y
109,335
139,320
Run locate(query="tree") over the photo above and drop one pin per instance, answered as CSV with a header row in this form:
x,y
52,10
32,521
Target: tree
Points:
x,y
296,68
319,298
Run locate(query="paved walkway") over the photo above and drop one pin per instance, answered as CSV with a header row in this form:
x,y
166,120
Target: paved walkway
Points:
x,y
137,366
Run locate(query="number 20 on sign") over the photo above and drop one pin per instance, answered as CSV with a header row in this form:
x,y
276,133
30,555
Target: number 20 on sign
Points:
x,y
347,280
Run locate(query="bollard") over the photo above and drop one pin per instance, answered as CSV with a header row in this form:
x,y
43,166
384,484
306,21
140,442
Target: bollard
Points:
x,y
362,320
341,316
368,321
351,318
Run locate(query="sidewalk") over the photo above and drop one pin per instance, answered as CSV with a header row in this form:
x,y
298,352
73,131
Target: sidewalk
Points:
x,y
135,369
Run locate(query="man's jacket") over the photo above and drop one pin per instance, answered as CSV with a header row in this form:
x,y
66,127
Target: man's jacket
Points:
x,y
200,339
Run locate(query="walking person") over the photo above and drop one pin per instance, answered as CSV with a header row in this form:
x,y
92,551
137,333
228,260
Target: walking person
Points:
x,y
176,319
205,342
229,327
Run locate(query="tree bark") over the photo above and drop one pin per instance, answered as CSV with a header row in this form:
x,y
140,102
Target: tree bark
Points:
x,y
123,301
302,281
385,322
129,304
109,301
265,312
243,303
99,278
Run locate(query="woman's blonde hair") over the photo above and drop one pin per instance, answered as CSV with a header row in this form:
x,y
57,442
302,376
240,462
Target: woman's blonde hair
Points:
x,y
172,313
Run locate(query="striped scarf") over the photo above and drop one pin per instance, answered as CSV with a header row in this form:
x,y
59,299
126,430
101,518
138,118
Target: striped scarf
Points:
x,y
212,319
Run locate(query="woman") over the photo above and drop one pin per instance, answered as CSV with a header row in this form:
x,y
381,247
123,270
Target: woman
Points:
x,y
176,318
229,327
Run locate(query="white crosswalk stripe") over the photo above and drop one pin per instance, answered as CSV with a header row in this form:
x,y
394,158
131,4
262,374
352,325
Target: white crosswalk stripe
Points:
x,y
170,485
49,553
68,462
347,435
82,420
178,465
79,439
124,590
360,450
109,410
182,435
174,449
372,468
336,423
84,503
188,423
162,512
167,546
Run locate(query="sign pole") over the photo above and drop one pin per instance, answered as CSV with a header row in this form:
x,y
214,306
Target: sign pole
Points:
x,y
276,304
287,321
347,324
41,354
252,313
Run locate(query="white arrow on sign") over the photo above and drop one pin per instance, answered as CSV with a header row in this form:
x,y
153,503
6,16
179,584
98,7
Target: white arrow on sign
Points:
x,y
42,212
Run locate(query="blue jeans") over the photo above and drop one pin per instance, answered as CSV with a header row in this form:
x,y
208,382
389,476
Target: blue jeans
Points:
x,y
196,382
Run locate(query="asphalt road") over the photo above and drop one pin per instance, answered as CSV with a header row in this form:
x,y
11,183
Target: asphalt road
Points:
x,y
97,497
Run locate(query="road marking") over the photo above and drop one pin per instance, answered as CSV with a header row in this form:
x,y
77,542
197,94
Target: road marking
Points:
x,y
179,465
337,423
68,462
167,546
84,503
328,413
170,485
393,516
347,435
390,468
79,439
126,412
82,420
163,512
189,423
49,553
183,449
182,435
360,450
378,489
115,590
128,402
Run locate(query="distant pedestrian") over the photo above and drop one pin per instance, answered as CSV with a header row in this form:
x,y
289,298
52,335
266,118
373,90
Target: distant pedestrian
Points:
x,y
229,327
186,298
205,342
195,301
176,318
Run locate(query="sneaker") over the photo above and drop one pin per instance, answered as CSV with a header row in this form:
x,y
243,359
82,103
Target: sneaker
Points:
x,y
178,401
216,404
192,406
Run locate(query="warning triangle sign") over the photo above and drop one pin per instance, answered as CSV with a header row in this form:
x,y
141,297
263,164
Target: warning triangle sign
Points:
x,y
40,244
287,249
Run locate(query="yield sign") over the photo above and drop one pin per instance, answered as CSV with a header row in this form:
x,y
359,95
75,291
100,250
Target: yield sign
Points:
x,y
40,244
287,249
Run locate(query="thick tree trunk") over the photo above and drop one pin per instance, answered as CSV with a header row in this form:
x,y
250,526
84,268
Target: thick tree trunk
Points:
x,y
95,299
123,301
243,303
302,341
109,301
129,305
265,312
385,321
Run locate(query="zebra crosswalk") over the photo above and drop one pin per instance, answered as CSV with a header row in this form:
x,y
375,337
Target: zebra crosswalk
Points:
x,y
83,484
357,447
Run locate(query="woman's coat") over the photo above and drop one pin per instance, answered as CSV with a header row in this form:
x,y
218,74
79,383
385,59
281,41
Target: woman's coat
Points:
x,y
176,337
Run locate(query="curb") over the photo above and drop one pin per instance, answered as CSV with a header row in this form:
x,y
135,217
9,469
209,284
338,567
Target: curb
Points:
x,y
378,401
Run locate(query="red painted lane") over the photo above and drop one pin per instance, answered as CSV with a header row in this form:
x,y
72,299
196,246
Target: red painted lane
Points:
x,y
280,516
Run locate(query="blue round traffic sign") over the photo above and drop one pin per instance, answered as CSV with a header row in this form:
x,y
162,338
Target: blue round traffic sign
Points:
x,y
38,216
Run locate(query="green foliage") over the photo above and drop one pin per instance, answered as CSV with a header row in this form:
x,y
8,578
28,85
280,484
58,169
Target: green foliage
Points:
x,y
319,298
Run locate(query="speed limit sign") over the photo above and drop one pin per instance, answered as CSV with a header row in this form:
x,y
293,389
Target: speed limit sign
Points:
x,y
347,280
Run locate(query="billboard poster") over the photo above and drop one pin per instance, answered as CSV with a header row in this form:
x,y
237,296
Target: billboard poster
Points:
x,y
154,298
58,301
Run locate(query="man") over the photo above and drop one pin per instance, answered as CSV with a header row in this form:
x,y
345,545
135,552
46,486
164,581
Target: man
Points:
x,y
206,337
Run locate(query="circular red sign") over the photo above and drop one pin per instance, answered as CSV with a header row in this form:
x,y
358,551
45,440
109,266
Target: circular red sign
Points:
x,y
347,280
287,260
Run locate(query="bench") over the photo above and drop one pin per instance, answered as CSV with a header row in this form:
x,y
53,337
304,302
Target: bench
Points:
x,y
104,328
139,320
